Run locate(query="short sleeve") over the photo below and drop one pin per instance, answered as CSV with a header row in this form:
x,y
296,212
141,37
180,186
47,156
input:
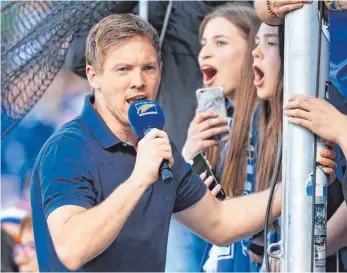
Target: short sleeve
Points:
x,y
67,175
190,188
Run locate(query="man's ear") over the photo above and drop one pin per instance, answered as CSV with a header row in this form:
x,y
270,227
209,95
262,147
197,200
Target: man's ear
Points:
x,y
93,78
161,66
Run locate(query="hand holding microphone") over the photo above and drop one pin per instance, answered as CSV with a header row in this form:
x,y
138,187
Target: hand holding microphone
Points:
x,y
154,150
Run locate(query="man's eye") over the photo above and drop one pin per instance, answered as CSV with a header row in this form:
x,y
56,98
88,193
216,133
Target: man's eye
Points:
x,y
123,69
149,68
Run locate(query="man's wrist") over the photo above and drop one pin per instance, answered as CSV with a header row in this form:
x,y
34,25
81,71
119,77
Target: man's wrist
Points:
x,y
138,183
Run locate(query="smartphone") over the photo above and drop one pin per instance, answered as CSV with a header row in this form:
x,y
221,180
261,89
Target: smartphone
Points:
x,y
200,164
212,100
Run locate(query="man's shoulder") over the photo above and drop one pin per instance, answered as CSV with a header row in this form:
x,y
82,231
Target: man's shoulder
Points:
x,y
75,132
71,139
69,148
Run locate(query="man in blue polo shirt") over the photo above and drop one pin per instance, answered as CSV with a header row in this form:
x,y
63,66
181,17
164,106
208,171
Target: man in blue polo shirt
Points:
x,y
97,202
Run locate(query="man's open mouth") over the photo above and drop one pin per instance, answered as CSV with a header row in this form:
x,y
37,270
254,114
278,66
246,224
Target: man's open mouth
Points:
x,y
136,98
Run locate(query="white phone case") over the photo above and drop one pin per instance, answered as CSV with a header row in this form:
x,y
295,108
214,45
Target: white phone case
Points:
x,y
212,99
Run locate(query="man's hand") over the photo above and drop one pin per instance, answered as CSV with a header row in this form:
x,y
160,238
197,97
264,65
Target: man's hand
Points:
x,y
317,115
151,151
201,131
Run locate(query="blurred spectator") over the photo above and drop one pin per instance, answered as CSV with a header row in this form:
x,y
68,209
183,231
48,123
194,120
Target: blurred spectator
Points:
x,y
7,261
10,226
24,251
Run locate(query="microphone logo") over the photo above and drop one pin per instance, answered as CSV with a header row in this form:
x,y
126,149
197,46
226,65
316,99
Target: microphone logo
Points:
x,y
146,108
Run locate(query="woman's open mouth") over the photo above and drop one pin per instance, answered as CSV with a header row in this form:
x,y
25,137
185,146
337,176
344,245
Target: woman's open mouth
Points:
x,y
209,74
258,76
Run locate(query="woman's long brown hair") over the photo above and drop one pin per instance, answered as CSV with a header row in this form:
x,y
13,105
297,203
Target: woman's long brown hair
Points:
x,y
270,126
245,19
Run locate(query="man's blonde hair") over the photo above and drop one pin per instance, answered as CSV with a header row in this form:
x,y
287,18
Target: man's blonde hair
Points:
x,y
113,29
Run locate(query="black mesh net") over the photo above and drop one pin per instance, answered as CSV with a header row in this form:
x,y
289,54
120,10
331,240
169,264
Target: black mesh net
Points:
x,y
35,38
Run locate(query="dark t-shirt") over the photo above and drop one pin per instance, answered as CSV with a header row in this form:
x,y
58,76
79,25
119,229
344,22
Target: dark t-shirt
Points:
x,y
82,164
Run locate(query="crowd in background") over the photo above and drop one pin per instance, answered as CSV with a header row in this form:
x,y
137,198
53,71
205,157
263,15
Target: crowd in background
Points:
x,y
19,149
64,99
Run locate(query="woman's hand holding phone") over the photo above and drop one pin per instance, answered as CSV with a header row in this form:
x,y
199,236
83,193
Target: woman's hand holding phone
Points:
x,y
202,130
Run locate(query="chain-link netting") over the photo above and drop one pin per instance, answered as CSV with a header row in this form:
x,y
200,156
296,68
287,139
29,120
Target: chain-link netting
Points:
x,y
35,37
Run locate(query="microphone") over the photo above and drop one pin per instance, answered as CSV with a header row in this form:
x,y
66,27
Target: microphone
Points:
x,y
144,115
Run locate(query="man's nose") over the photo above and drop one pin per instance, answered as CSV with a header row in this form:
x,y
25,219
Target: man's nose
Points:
x,y
137,80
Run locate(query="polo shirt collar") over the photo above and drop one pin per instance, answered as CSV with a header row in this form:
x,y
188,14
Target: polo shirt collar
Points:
x,y
97,125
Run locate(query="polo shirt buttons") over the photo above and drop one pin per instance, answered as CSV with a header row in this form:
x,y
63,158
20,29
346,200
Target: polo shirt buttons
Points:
x,y
124,144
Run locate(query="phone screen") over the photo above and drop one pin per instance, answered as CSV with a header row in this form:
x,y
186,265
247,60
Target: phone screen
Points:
x,y
200,164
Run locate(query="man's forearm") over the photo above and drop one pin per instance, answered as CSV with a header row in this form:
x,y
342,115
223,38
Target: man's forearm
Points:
x,y
244,216
87,234
337,230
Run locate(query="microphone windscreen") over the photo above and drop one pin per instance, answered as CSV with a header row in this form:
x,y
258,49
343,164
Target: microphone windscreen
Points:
x,y
144,115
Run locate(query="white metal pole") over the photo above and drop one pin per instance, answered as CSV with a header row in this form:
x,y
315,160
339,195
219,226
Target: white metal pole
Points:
x,y
300,74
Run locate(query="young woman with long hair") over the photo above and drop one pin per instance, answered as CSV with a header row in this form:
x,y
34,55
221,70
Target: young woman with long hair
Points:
x,y
268,71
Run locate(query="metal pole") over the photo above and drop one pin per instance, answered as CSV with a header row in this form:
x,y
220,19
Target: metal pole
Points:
x,y
320,207
300,74
143,9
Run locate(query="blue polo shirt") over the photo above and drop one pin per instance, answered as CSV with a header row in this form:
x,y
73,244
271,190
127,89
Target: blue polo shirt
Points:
x,y
82,164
